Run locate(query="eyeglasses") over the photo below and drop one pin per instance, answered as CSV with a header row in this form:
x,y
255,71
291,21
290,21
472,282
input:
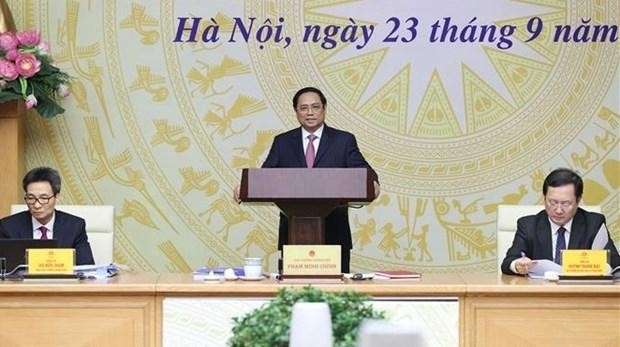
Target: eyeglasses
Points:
x,y
43,200
564,205
306,108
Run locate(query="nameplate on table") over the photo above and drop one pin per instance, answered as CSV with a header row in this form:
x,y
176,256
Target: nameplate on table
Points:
x,y
311,260
584,261
51,260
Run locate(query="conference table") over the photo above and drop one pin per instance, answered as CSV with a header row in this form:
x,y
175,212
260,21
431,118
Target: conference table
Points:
x,y
148,309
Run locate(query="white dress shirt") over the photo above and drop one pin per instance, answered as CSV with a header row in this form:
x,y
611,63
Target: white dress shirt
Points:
x,y
554,234
36,232
305,141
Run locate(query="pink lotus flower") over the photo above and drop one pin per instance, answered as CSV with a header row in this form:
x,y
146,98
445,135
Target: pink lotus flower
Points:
x,y
23,58
8,70
11,54
63,90
31,101
27,65
8,41
43,47
28,38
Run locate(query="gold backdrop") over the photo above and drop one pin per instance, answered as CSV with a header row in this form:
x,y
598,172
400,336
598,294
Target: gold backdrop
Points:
x,y
160,129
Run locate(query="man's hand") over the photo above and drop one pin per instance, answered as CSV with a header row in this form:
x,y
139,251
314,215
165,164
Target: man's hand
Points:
x,y
236,195
523,264
377,189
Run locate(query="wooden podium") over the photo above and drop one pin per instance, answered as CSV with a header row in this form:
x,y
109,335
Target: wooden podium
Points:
x,y
12,165
307,196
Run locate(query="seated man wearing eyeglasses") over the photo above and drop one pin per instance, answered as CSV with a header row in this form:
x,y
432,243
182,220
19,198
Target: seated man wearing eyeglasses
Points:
x,y
561,225
42,221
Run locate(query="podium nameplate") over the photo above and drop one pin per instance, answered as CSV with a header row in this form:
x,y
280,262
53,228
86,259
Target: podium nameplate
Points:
x,y
311,260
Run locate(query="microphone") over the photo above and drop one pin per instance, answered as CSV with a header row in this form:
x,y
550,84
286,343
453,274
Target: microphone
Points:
x,y
2,268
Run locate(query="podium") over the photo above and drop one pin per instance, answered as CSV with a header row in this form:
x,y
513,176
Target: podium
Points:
x,y
307,196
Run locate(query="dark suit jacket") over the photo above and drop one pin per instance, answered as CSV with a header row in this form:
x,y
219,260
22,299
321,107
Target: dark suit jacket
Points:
x,y
533,237
69,230
337,148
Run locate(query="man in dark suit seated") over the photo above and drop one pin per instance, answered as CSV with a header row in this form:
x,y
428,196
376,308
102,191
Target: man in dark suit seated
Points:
x,y
561,223
315,144
41,221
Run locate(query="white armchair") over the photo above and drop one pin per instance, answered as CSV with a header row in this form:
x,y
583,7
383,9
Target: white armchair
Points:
x,y
99,227
507,216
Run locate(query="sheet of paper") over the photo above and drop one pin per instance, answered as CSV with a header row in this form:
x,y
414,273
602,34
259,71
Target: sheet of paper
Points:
x,y
541,266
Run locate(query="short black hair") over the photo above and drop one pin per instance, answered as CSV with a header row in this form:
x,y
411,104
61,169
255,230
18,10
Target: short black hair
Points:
x,y
43,174
308,90
561,177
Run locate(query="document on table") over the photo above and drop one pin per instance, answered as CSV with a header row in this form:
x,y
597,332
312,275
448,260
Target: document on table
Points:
x,y
97,271
540,266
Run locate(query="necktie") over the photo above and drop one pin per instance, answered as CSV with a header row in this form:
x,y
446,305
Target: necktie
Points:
x,y
310,151
43,232
560,244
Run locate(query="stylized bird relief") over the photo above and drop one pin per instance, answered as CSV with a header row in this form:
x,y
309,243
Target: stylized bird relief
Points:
x,y
605,142
241,107
468,209
148,81
136,210
253,153
96,154
107,166
587,159
508,199
80,95
204,77
230,212
67,37
225,24
139,20
198,180
171,135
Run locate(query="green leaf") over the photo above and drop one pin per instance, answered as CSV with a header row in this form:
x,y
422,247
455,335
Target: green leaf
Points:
x,y
8,96
48,108
348,309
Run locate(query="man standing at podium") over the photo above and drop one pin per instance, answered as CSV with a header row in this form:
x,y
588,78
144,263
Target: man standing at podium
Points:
x,y
314,144
561,225
42,220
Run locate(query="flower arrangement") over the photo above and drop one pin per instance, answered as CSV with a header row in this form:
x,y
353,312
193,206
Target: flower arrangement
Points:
x,y
269,325
27,73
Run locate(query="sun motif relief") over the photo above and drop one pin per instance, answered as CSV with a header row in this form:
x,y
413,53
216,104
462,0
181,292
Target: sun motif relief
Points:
x,y
452,128
442,103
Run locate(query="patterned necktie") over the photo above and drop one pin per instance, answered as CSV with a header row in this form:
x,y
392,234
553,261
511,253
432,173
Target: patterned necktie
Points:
x,y
310,151
560,244
43,232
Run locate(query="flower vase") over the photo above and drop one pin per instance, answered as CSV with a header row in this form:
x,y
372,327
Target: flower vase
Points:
x,y
12,151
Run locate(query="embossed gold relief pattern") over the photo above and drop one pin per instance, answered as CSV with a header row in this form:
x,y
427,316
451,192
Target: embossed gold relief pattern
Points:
x,y
160,130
